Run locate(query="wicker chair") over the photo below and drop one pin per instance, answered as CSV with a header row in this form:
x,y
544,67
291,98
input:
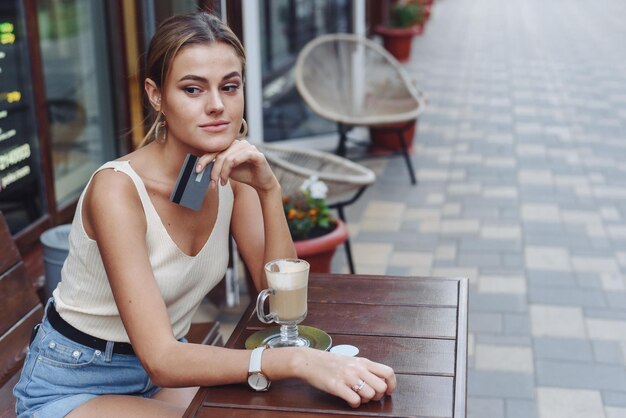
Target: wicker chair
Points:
x,y
345,179
353,81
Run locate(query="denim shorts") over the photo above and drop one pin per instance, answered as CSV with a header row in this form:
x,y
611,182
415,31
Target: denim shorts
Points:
x,y
59,375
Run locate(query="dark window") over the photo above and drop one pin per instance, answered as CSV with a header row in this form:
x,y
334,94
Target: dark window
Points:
x,y
21,191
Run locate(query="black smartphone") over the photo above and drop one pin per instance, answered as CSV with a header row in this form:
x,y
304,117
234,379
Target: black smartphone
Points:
x,y
191,187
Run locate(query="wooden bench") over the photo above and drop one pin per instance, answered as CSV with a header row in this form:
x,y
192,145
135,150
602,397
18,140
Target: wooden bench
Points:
x,y
20,311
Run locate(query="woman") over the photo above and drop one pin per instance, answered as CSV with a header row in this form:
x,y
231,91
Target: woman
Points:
x,y
140,265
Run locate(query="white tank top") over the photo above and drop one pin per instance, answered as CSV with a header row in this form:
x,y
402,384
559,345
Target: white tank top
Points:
x,y
84,298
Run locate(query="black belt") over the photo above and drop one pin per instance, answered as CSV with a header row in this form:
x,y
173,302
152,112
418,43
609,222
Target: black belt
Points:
x,y
80,337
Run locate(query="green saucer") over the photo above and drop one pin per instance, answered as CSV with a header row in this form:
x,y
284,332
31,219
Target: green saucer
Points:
x,y
317,338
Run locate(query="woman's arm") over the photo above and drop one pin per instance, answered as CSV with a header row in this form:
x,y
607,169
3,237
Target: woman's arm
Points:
x,y
260,230
114,217
258,221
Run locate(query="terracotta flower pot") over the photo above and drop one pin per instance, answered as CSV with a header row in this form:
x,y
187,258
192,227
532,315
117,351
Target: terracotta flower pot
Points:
x,y
398,40
384,140
319,251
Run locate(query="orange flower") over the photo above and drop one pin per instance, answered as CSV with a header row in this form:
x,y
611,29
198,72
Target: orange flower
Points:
x,y
308,211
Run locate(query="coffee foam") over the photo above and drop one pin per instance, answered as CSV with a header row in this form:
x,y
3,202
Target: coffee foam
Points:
x,y
289,276
288,266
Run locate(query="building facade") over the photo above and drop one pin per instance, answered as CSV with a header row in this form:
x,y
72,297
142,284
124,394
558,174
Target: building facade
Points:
x,y
71,88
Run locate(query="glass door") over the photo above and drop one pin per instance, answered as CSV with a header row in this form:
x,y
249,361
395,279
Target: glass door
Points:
x,y
74,48
286,26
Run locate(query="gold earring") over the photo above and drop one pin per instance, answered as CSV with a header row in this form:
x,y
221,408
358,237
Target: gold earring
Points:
x,y
243,131
161,127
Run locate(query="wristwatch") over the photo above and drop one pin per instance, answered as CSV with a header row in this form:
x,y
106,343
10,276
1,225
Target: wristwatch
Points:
x,y
256,379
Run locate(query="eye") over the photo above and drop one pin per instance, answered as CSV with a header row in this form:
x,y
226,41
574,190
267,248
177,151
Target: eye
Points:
x,y
191,90
231,87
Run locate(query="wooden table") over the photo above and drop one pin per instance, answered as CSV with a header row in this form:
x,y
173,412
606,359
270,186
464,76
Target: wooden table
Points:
x,y
418,326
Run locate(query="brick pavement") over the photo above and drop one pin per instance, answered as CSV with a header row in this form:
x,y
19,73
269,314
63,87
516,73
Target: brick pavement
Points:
x,y
521,163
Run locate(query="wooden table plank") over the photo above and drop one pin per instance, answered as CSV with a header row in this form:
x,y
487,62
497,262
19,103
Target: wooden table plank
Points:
x,y
389,291
404,355
213,412
424,396
401,321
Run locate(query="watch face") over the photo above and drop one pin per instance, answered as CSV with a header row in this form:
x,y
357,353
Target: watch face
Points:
x,y
258,382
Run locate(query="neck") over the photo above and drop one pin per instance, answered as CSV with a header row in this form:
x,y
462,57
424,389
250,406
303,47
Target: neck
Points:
x,y
169,157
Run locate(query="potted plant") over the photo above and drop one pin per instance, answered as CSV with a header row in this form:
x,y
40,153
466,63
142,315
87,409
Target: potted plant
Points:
x,y
315,232
385,139
427,6
406,20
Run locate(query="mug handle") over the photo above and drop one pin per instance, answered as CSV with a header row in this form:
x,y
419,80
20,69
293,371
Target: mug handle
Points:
x,y
260,302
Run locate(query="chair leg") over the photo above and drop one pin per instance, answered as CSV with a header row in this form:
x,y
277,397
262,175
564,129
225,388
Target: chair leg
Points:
x,y
346,244
348,249
343,138
407,157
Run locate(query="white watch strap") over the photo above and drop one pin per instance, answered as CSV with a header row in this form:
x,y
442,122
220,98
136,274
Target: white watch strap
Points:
x,y
255,359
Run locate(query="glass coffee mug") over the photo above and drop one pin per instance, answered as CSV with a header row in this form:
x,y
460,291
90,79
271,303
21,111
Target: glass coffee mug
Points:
x,y
288,281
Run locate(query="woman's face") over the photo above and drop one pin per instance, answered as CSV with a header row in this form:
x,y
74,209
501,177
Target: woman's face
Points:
x,y
203,97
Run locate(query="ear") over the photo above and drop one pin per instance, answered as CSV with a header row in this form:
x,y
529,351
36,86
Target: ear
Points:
x,y
154,94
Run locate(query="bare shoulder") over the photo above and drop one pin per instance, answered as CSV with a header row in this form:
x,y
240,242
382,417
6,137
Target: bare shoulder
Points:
x,y
110,184
111,196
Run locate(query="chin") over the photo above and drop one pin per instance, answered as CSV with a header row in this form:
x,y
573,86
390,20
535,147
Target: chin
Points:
x,y
216,144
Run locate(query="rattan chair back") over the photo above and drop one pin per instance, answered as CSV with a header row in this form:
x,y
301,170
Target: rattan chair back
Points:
x,y
292,166
352,80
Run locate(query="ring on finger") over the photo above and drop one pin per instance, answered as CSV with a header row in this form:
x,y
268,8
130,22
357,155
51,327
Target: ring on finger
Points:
x,y
359,385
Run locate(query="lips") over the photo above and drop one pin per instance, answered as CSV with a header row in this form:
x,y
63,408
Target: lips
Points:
x,y
217,126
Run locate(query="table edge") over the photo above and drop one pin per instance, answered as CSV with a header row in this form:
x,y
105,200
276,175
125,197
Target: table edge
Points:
x,y
460,381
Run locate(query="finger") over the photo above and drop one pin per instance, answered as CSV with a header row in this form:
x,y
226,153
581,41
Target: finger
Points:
x,y
386,373
214,156
203,161
221,165
367,393
378,385
240,153
391,383
230,160
350,396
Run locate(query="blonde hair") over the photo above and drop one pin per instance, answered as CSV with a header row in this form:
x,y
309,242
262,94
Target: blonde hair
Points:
x,y
178,32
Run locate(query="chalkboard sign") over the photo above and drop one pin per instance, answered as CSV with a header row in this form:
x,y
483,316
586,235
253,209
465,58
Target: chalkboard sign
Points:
x,y
20,196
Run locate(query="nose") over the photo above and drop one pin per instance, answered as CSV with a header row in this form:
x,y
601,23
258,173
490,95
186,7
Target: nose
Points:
x,y
214,103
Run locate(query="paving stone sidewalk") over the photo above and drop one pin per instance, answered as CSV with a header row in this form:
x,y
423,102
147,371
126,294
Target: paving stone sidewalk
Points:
x,y
521,163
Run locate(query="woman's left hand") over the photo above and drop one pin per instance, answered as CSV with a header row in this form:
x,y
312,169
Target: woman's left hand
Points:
x,y
242,162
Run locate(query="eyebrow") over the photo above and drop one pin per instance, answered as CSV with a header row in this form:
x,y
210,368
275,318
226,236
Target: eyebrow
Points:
x,y
204,80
